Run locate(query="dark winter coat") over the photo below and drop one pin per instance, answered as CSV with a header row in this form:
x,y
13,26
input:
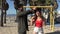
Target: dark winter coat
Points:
x,y
22,20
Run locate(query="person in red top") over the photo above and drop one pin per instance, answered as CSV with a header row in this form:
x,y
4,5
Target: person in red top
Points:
x,y
39,21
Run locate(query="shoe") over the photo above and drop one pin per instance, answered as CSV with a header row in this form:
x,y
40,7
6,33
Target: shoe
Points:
x,y
4,24
27,29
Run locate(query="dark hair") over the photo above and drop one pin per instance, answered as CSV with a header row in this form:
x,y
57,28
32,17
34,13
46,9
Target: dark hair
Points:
x,y
20,5
37,10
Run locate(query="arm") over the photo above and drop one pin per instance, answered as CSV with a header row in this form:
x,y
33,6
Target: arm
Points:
x,y
44,23
24,13
32,20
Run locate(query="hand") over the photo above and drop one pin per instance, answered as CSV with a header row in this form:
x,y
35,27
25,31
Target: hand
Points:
x,y
34,8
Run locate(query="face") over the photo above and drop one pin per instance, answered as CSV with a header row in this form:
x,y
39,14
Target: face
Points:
x,y
19,9
38,13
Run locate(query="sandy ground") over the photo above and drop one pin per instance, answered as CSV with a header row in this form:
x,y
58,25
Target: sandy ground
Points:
x,y
11,27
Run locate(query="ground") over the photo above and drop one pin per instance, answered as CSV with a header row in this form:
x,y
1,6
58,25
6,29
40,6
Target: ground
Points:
x,y
11,27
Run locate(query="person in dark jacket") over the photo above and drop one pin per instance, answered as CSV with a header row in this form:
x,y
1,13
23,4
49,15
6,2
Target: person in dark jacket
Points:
x,y
22,20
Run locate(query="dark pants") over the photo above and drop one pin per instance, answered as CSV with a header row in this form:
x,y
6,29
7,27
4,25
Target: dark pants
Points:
x,y
22,32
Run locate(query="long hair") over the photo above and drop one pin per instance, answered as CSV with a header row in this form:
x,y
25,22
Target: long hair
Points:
x,y
39,10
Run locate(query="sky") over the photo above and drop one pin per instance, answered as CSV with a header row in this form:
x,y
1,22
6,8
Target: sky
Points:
x,y
58,1
12,10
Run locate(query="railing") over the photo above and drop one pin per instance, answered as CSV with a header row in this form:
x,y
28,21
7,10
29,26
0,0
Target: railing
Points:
x,y
51,14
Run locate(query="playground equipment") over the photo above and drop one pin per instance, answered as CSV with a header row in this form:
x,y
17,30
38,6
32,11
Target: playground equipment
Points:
x,y
51,14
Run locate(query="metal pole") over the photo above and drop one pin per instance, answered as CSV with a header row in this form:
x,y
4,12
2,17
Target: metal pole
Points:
x,y
37,6
51,20
2,15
